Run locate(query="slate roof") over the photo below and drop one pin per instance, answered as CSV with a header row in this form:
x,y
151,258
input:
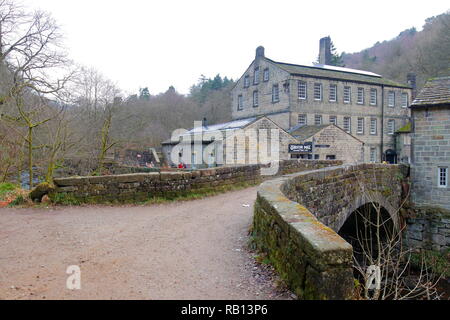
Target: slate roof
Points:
x,y
337,73
303,132
232,125
435,92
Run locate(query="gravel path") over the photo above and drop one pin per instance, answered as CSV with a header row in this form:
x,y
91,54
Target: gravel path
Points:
x,y
184,250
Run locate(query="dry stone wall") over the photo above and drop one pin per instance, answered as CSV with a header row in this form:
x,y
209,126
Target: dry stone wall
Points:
x,y
428,228
143,186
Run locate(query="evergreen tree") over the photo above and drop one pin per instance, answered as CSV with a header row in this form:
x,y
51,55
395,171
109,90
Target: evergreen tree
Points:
x,y
336,58
144,94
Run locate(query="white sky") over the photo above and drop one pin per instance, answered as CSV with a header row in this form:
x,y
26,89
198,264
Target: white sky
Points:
x,y
155,44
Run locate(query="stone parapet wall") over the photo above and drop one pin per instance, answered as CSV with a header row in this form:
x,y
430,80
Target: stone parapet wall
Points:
x,y
314,261
428,228
144,186
332,194
295,216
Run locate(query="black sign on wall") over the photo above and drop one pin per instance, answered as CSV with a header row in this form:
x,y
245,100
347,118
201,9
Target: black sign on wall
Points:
x,y
305,147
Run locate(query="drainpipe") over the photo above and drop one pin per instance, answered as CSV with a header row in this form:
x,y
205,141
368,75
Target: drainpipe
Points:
x,y
291,86
382,122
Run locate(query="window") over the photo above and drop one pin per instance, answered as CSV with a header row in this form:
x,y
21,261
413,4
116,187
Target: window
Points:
x,y
391,126
360,129
246,81
266,74
373,155
360,96
240,102
404,100
373,97
331,157
302,120
255,99
256,76
333,120
302,90
347,95
317,157
391,99
348,124
275,93
373,126
318,120
333,93
318,91
442,177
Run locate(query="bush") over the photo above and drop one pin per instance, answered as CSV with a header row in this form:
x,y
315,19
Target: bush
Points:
x,y
20,200
437,262
6,188
65,199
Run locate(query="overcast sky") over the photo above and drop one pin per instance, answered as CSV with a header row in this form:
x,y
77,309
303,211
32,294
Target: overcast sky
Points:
x,y
155,44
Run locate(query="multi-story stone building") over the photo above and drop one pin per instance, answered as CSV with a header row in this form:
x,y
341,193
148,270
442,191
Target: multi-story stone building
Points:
x,y
362,103
431,145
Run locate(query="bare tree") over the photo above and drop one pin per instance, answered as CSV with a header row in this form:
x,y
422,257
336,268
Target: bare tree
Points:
x,y
30,48
97,102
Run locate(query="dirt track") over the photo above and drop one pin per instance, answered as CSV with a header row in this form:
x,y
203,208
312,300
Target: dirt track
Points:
x,y
188,250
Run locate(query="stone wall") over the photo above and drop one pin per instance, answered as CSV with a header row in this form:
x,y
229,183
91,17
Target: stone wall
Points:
x,y
429,229
297,217
143,186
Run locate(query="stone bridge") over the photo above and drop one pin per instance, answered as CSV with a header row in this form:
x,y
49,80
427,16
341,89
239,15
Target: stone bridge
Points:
x,y
298,217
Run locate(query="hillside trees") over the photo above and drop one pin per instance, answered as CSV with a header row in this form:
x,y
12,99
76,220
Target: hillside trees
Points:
x,y
426,53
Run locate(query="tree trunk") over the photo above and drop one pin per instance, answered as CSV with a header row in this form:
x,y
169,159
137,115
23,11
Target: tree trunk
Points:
x,y
30,155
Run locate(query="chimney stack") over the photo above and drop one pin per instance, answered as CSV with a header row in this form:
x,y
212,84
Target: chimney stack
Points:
x,y
411,79
260,52
325,51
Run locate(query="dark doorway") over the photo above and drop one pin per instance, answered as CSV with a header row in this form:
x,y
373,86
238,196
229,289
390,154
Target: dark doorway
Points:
x,y
391,156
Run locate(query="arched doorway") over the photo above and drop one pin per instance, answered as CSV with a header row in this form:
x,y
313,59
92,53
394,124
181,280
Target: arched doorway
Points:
x,y
390,156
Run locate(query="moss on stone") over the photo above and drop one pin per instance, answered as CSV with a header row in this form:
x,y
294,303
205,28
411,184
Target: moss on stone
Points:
x,y
41,190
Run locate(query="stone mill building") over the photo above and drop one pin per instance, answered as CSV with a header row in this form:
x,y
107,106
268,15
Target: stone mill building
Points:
x,y
363,104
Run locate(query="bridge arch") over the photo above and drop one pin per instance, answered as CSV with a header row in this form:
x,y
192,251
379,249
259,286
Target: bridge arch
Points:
x,y
298,217
361,200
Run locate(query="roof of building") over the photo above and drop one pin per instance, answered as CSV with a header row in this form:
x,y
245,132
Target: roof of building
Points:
x,y
338,73
435,92
232,125
303,132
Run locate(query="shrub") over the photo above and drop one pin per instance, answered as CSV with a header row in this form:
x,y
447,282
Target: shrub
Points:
x,y
6,188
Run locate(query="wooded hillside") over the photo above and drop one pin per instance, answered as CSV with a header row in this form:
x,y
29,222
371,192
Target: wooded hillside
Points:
x,y
425,52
